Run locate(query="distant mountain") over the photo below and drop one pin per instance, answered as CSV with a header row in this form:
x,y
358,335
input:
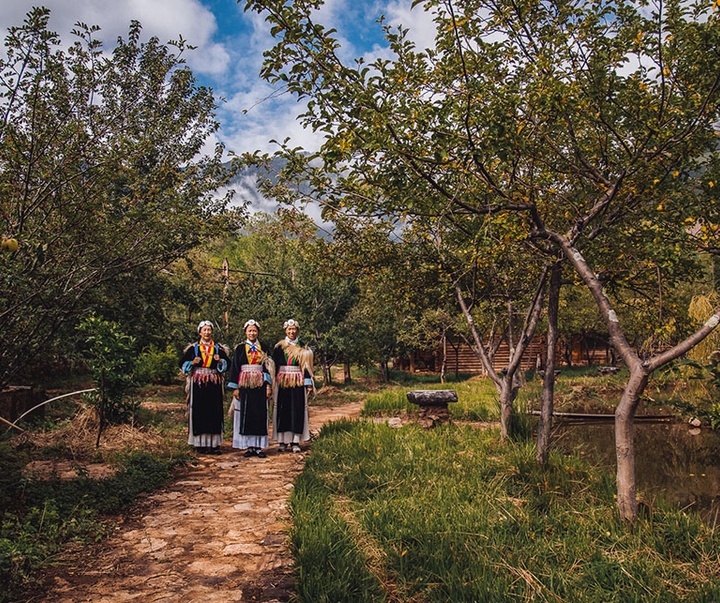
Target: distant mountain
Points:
x,y
244,183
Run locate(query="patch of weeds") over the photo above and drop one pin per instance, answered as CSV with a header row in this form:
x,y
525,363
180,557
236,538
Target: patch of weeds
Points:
x,y
477,401
40,517
390,401
28,541
12,461
321,540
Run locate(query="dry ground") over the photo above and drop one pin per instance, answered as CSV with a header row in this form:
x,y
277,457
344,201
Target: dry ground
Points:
x,y
217,534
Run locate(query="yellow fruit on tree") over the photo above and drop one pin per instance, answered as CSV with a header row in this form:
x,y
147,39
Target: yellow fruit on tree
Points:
x,y
9,245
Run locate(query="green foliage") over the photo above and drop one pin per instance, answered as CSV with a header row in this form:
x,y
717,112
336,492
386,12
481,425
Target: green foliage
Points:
x,y
155,365
28,542
482,144
12,461
452,515
583,131
48,514
277,268
112,357
99,204
692,388
709,412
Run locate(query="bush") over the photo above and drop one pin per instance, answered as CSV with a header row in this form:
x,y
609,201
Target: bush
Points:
x,y
112,357
157,366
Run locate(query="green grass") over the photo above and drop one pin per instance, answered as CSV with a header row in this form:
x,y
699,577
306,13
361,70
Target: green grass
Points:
x,y
45,515
322,536
477,400
38,517
451,514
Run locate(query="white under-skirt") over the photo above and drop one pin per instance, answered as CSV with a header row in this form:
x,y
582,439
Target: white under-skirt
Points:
x,y
204,440
245,441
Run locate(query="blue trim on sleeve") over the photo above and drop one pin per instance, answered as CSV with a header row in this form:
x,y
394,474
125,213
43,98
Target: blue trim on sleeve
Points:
x,y
187,365
268,378
232,385
308,382
222,365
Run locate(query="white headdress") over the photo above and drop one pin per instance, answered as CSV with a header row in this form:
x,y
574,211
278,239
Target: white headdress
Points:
x,y
205,323
291,323
251,323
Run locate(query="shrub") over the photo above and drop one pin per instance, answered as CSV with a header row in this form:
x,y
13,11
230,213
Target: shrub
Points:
x,y
155,365
112,357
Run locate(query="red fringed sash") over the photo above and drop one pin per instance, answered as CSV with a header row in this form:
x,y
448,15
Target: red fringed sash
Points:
x,y
205,376
251,375
290,376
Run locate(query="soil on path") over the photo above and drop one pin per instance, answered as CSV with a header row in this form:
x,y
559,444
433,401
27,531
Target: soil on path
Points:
x,y
218,533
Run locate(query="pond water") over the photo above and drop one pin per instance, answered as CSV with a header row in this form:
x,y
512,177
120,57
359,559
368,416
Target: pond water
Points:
x,y
673,461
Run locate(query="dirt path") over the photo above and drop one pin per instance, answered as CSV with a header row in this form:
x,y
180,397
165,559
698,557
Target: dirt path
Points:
x,y
218,533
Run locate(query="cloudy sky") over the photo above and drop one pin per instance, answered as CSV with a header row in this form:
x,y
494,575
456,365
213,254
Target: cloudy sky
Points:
x,y
230,43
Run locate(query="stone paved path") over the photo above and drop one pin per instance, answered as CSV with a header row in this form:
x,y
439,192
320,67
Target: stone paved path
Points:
x,y
217,534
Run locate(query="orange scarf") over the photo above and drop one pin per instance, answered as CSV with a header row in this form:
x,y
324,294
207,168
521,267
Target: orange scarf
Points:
x,y
206,353
256,356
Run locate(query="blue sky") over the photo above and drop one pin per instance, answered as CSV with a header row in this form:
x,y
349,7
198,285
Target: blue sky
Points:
x,y
230,43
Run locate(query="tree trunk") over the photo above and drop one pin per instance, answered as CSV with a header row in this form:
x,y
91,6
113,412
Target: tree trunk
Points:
x,y
625,444
327,373
639,373
103,404
101,427
588,359
567,352
505,384
508,393
443,365
548,390
384,368
346,372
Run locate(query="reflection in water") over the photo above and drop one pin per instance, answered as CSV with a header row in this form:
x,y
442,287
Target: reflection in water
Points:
x,y
673,461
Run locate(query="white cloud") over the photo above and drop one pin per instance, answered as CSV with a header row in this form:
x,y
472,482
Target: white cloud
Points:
x,y
166,19
250,125
418,21
212,60
255,112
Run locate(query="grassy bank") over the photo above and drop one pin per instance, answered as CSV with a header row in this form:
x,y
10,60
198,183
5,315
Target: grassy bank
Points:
x,y
452,515
42,509
477,398
577,389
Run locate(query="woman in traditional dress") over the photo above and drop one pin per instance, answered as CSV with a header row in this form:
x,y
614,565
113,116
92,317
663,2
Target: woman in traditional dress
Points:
x,y
250,378
293,383
204,362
